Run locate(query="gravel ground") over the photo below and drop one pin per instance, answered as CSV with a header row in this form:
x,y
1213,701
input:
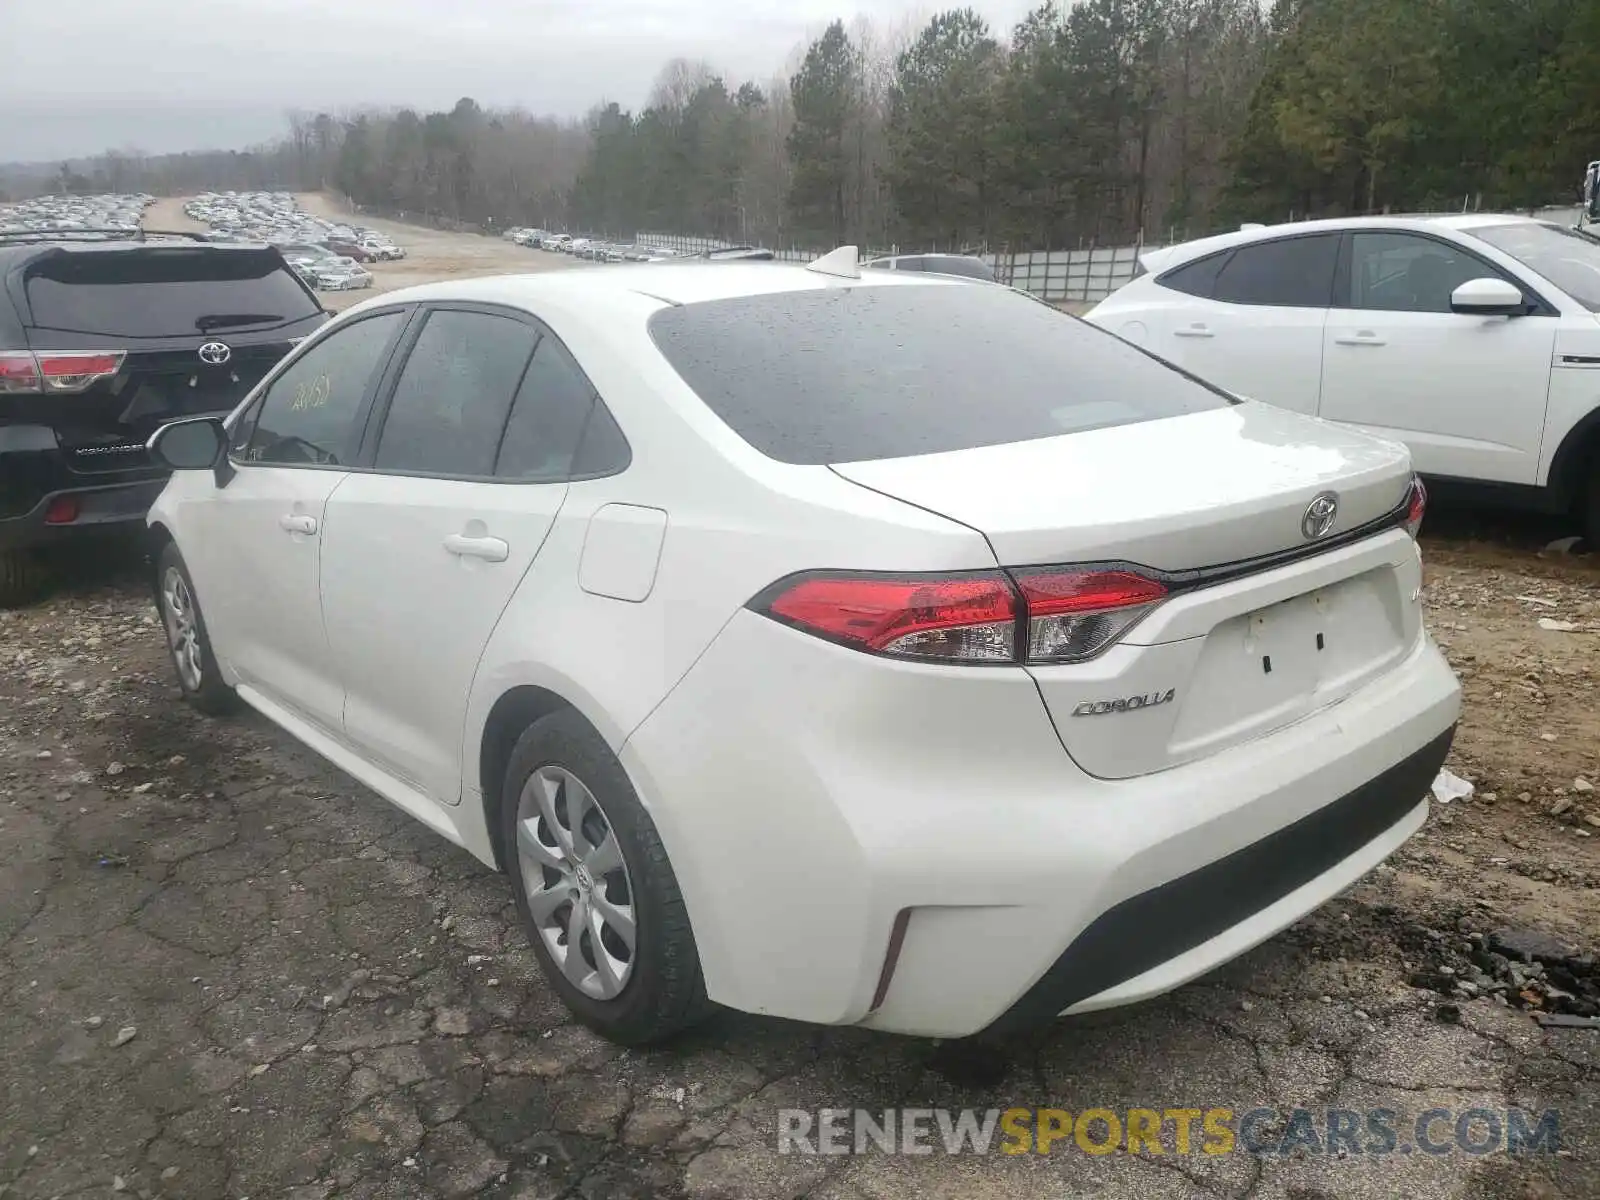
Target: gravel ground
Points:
x,y
230,971
227,970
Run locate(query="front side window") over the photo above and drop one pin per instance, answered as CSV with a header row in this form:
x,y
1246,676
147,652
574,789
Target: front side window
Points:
x,y
308,414
1400,272
1294,272
451,400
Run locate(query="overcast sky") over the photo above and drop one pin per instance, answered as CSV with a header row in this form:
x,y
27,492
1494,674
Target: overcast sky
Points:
x,y
161,75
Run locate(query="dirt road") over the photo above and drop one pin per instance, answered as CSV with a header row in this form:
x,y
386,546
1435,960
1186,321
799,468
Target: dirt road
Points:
x,y
431,254
226,970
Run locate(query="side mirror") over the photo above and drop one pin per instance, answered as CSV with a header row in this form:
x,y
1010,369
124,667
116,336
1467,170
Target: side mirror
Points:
x,y
194,445
1489,297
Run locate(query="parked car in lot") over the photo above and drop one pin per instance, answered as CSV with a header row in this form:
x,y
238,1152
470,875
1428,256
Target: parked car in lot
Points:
x,y
326,271
1475,340
102,339
926,683
350,248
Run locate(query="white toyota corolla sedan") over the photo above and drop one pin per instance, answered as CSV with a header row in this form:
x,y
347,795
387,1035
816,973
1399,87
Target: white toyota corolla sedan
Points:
x,y
861,647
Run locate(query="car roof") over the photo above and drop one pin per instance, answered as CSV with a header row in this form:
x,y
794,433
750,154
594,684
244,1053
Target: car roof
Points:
x,y
690,282
1161,258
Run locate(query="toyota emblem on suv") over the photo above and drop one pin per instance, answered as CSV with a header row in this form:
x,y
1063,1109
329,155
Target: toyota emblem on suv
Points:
x,y
215,353
1320,516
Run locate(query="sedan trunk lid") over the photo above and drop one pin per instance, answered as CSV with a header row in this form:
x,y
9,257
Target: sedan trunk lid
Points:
x,y
1260,625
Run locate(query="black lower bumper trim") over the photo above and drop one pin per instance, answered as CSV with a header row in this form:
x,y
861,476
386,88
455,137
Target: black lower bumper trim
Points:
x,y
1146,930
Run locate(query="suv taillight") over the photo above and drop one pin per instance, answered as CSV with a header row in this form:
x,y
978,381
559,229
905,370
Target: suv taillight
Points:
x,y
1032,615
1416,506
60,371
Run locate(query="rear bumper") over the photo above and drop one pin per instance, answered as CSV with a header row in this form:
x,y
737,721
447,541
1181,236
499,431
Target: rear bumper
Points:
x,y
104,510
809,796
1151,942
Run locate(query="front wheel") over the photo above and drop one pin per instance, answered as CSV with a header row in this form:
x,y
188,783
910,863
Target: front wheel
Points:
x,y
594,887
187,640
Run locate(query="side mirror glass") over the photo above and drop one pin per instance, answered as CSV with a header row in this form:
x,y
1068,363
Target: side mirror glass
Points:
x,y
1489,297
196,445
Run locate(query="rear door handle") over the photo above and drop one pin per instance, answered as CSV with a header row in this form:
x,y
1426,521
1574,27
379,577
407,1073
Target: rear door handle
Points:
x,y
1197,330
297,523
1364,338
490,549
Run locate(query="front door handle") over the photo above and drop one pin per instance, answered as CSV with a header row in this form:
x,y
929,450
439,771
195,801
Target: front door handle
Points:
x,y
297,523
1197,330
490,549
1364,338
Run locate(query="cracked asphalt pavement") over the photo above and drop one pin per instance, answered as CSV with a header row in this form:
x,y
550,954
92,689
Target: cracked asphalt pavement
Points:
x,y
230,971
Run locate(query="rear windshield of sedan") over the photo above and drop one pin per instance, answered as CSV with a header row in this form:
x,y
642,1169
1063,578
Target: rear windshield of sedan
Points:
x,y
850,374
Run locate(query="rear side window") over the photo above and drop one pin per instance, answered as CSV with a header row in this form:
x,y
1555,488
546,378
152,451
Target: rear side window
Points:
x,y
451,400
1197,278
1288,272
308,413
163,291
553,405
847,374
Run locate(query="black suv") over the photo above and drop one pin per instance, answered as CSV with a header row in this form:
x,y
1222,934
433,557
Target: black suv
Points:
x,y
104,337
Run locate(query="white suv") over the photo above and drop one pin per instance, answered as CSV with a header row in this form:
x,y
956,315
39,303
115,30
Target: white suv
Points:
x,y
1473,339
792,654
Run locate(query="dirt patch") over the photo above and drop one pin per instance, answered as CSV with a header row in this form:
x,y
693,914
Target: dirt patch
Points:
x,y
433,254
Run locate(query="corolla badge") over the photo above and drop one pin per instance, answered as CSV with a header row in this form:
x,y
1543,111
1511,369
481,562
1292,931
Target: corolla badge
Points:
x,y
1321,513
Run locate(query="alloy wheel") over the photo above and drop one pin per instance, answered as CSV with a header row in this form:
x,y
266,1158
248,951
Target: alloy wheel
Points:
x,y
580,895
183,628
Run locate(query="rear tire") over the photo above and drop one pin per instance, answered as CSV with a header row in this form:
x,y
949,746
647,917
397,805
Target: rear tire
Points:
x,y
566,805
22,577
188,643
1589,509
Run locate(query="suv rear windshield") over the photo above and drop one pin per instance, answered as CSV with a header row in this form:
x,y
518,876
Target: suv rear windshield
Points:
x,y
161,292
842,375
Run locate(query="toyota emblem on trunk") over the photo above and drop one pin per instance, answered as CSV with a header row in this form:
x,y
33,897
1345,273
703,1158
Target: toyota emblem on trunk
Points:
x,y
215,353
1320,516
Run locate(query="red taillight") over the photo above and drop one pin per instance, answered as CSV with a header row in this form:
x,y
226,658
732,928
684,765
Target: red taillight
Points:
x,y
1075,614
1069,614
56,370
18,372
966,618
1416,506
75,370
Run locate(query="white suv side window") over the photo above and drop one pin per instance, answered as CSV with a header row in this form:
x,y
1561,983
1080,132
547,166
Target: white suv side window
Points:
x,y
1399,272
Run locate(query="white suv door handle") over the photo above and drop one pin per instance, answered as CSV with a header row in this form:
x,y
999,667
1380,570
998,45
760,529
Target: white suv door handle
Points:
x,y
490,549
297,523
1364,338
1197,330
